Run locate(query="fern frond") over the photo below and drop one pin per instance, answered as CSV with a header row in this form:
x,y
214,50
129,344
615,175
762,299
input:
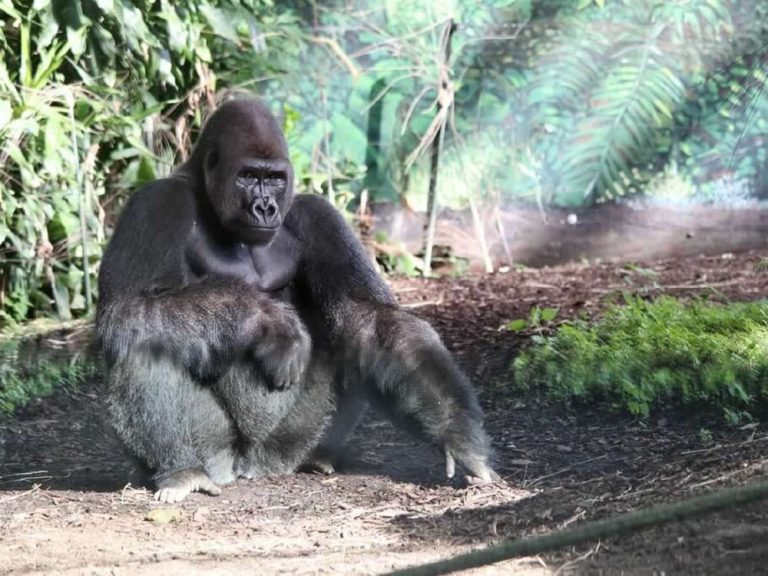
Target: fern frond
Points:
x,y
566,72
695,21
749,97
633,101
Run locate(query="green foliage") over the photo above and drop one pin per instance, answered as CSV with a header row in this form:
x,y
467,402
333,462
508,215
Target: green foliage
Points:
x,y
402,263
393,258
96,98
578,102
554,102
537,318
635,98
645,353
726,153
22,381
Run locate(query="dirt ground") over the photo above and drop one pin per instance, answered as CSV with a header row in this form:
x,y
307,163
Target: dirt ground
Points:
x,y
70,503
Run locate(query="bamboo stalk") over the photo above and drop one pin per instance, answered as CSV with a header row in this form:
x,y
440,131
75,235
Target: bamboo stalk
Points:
x,y
82,207
437,145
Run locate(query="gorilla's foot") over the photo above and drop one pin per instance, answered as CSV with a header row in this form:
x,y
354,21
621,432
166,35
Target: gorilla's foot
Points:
x,y
177,486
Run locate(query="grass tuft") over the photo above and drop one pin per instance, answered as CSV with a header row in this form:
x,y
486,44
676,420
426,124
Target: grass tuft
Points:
x,y
645,353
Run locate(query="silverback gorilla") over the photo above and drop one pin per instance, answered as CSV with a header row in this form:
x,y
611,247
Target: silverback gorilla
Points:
x,y
245,330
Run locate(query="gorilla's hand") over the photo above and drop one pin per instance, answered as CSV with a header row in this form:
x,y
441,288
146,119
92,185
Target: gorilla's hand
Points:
x,y
477,467
283,349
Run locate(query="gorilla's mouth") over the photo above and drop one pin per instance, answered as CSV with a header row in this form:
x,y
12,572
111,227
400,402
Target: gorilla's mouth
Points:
x,y
251,227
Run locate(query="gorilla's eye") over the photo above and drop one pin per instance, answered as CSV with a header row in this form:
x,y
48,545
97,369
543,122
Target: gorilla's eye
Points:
x,y
249,175
275,178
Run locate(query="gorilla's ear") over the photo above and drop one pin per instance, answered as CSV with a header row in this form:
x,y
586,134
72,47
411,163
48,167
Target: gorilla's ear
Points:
x,y
211,160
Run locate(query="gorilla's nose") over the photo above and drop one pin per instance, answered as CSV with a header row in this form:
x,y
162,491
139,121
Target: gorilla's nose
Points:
x,y
264,210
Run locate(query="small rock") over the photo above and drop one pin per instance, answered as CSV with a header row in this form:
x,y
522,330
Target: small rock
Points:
x,y
19,517
164,515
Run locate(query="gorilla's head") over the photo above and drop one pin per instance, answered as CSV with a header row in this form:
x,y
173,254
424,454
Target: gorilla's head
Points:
x,y
242,158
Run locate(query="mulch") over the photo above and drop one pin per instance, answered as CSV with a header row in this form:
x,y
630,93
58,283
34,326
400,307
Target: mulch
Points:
x,y
563,464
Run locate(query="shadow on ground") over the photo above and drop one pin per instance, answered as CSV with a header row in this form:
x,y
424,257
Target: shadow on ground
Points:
x,y
64,442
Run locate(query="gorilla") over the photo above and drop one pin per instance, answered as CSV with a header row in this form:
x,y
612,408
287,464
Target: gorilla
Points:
x,y
245,331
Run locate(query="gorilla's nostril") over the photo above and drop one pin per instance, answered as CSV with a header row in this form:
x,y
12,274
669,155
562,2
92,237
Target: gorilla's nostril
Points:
x,y
271,211
264,210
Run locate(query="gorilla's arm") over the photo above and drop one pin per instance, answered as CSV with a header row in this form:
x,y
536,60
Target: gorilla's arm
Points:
x,y
206,326
399,358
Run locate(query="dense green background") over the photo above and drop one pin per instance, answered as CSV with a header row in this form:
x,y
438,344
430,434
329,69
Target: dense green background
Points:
x,y
564,103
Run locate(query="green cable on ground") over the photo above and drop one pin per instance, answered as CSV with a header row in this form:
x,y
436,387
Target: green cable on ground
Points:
x,y
618,525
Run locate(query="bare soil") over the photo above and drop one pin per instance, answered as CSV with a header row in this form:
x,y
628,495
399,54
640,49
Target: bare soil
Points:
x,y
70,502
631,230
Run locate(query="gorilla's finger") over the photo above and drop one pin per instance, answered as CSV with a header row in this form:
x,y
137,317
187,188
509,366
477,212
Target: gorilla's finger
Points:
x,y
450,465
482,474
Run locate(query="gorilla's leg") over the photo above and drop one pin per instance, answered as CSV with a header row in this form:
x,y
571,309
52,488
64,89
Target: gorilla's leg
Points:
x,y
164,351
351,406
174,425
276,429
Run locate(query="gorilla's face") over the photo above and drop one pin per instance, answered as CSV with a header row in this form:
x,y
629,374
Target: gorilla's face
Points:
x,y
248,177
250,194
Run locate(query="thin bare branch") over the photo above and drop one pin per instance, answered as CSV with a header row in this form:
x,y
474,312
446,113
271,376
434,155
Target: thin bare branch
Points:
x,y
386,89
412,107
338,51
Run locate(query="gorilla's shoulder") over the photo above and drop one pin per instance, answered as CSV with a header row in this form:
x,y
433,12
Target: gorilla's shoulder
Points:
x,y
174,188
312,202
311,214
167,196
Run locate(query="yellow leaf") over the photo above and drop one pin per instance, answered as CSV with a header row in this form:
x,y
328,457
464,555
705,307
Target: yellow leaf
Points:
x,y
164,515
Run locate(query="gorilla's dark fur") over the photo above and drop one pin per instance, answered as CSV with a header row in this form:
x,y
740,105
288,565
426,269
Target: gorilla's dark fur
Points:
x,y
245,330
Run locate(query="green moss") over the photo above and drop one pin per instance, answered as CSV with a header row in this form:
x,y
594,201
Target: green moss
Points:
x,y
644,353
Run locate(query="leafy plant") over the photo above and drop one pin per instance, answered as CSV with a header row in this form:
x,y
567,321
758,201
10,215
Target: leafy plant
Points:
x,y
99,97
645,353
394,258
634,79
